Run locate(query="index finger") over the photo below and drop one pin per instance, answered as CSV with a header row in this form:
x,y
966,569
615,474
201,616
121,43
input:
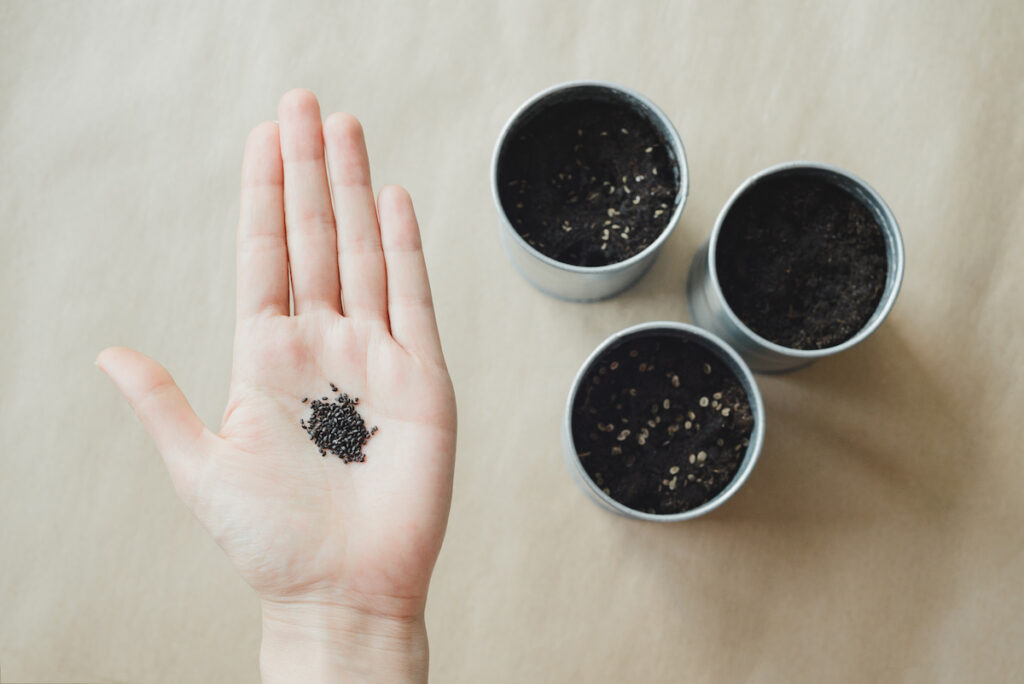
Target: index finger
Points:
x,y
410,304
262,255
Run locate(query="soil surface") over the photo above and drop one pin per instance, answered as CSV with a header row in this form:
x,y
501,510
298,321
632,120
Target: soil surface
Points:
x,y
802,262
588,183
661,424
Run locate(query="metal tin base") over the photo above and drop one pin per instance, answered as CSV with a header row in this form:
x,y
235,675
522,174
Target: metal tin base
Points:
x,y
730,358
586,283
709,309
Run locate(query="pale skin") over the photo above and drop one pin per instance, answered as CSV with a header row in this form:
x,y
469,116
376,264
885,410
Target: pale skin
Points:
x,y
339,555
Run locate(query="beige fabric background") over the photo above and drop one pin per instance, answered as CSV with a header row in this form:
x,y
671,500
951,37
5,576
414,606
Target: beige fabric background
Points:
x,y
881,537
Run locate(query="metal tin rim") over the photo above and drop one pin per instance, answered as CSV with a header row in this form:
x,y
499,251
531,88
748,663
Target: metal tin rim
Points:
x,y
674,140
888,226
744,375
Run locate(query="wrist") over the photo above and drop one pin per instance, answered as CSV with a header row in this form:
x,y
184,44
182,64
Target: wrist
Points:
x,y
312,641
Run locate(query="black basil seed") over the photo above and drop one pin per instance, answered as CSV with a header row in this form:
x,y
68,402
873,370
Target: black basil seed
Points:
x,y
336,427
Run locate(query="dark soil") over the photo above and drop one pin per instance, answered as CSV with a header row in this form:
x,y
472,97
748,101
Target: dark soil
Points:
x,y
661,424
588,183
336,427
801,261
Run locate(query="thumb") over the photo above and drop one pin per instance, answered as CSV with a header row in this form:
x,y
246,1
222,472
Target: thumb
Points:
x,y
159,404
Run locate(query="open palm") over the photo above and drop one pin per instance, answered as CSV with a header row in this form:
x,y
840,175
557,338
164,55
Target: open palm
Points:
x,y
299,526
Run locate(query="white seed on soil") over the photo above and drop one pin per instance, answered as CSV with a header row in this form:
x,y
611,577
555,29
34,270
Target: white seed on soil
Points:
x,y
687,425
691,477
693,459
703,401
673,470
702,456
655,170
612,212
717,395
632,392
607,491
691,415
616,450
624,131
641,440
648,150
672,483
626,189
623,435
675,381
658,212
636,200
666,403
707,369
605,427
726,411
651,423
673,429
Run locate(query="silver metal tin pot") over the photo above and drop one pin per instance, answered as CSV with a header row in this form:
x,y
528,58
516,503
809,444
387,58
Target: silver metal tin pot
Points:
x,y
732,361
709,309
585,283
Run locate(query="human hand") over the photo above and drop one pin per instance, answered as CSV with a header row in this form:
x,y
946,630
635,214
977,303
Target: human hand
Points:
x,y
340,555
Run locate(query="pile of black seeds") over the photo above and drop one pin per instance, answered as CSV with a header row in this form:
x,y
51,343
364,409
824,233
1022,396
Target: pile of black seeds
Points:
x,y
801,261
588,183
336,427
661,424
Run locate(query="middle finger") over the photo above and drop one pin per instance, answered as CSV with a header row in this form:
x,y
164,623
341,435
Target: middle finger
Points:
x,y
309,219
